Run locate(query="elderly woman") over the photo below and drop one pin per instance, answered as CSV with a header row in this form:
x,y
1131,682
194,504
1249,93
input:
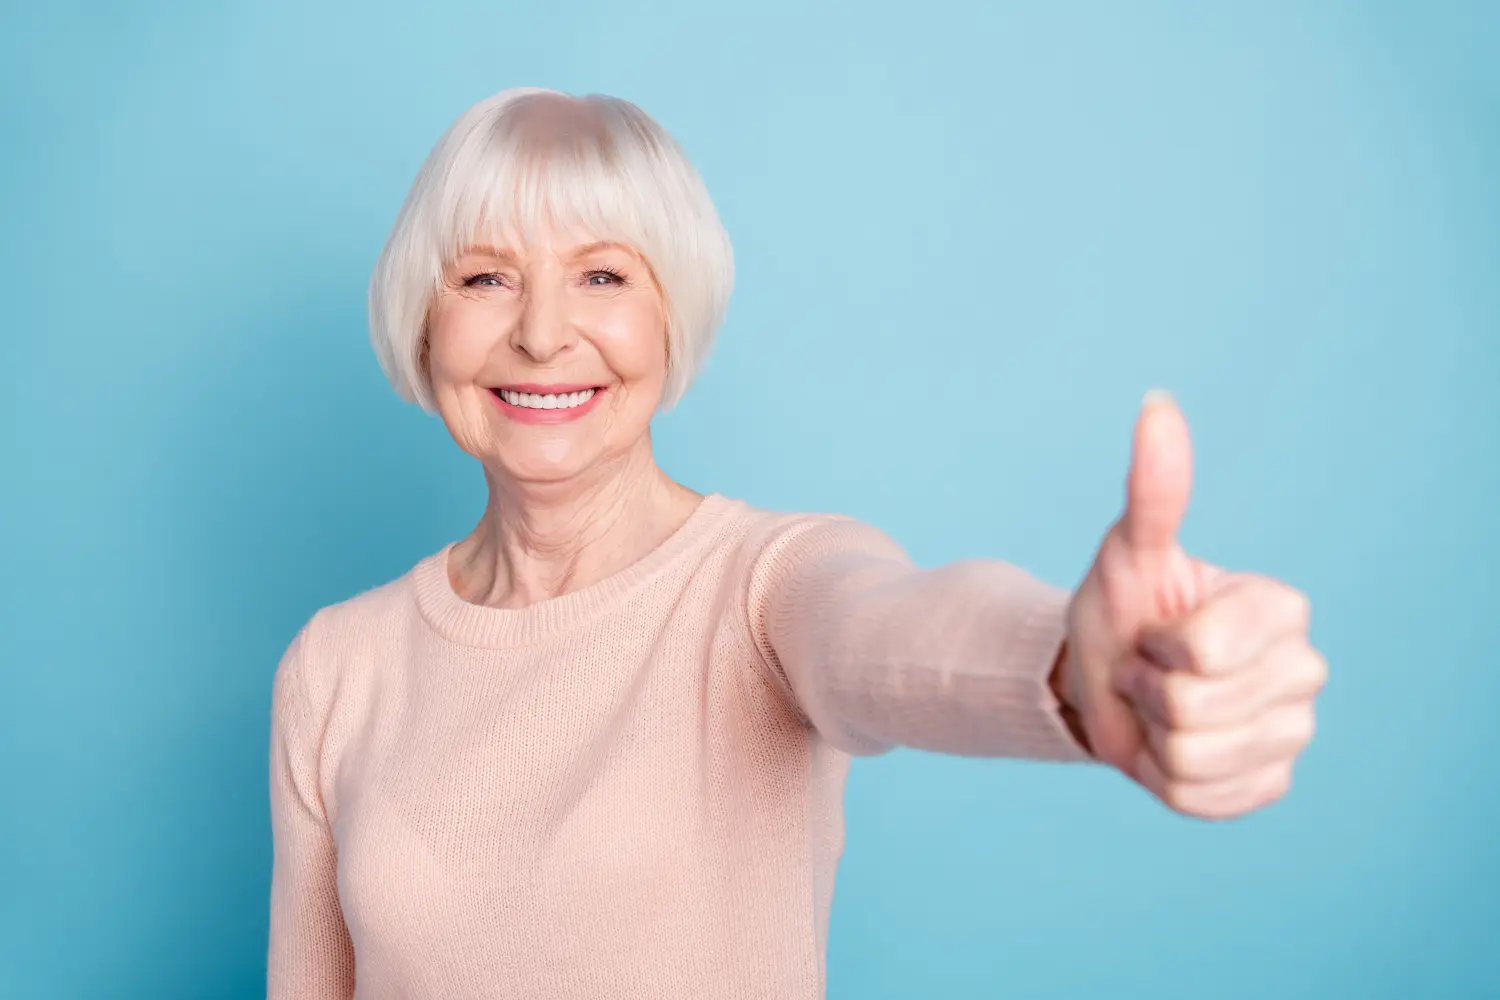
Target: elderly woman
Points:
x,y
597,748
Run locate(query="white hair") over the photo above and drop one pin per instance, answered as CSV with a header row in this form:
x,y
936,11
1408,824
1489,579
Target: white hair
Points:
x,y
529,157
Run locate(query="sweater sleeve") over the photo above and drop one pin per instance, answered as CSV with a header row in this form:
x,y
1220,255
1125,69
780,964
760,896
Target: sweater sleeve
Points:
x,y
310,955
878,653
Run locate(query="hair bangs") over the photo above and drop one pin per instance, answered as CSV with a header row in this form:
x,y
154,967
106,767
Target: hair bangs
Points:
x,y
530,180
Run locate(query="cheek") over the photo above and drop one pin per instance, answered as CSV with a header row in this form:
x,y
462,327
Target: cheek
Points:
x,y
459,341
633,340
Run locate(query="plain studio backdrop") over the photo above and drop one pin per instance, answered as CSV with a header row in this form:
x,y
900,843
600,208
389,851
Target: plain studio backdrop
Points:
x,y
969,236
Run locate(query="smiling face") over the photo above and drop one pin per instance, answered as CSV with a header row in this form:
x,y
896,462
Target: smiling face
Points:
x,y
548,357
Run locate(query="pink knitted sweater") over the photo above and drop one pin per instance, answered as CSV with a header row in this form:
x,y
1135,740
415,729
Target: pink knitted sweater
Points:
x,y
633,790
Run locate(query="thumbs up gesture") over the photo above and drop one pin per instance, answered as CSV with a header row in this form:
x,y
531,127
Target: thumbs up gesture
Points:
x,y
1196,682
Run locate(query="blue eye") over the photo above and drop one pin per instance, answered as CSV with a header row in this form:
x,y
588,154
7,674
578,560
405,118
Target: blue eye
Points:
x,y
604,277
483,281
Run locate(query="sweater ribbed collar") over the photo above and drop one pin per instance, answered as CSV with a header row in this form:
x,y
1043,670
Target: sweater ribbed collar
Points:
x,y
477,625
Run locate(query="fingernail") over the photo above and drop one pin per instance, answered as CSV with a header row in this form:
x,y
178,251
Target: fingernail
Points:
x,y
1157,397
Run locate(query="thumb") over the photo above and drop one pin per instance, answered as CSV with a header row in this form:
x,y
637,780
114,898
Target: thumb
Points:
x,y
1161,476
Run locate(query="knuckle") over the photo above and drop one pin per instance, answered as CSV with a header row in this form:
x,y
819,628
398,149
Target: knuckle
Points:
x,y
1278,783
1182,756
1308,727
1299,607
1317,670
1197,803
1179,796
1285,731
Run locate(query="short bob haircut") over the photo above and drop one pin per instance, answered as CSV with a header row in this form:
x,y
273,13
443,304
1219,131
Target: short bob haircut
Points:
x,y
529,157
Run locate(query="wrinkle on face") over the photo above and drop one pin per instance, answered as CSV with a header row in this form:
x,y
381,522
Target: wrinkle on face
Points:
x,y
568,309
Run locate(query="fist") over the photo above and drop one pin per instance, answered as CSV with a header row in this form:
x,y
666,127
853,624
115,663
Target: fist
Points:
x,y
1195,682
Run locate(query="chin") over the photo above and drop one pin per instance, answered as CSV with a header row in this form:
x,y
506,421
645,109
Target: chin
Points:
x,y
543,465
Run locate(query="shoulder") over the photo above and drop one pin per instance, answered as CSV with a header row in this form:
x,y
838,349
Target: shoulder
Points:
x,y
365,615
345,633
776,542
773,545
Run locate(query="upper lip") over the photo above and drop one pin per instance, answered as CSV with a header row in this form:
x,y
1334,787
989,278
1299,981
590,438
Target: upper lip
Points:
x,y
560,389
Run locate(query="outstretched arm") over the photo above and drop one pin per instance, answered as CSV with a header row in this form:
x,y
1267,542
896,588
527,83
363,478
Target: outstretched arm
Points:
x,y
878,652
1197,683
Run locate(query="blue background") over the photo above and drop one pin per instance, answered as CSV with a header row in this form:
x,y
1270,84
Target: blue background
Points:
x,y
969,236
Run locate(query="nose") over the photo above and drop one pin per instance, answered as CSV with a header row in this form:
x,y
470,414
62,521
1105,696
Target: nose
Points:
x,y
543,330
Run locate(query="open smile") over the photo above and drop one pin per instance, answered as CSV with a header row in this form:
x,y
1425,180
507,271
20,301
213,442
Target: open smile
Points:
x,y
547,404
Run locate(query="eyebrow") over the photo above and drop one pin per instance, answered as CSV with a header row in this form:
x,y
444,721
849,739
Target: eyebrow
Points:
x,y
505,254
590,248
499,253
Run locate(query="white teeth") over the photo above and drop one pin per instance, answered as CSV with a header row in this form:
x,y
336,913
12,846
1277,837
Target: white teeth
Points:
x,y
551,401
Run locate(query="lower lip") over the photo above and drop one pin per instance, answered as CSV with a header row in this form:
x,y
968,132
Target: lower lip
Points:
x,y
531,415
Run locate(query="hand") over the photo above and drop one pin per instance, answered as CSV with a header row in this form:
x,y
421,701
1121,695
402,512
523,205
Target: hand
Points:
x,y
1197,683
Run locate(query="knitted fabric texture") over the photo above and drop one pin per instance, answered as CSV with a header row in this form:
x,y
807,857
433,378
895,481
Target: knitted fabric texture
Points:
x,y
633,790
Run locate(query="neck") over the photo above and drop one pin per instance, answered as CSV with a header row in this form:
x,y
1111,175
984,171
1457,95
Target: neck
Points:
x,y
541,540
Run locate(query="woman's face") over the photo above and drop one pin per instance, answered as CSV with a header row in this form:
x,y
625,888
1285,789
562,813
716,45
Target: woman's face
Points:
x,y
548,359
